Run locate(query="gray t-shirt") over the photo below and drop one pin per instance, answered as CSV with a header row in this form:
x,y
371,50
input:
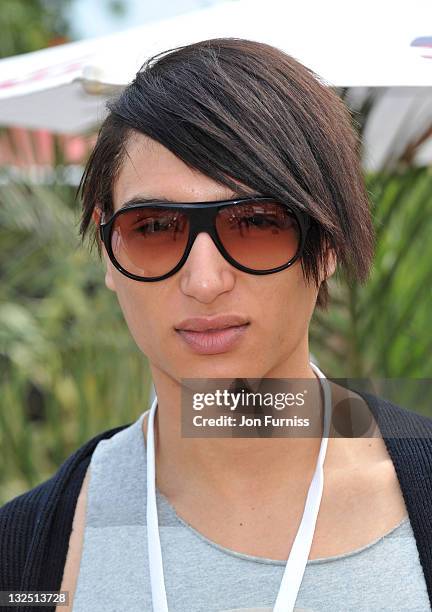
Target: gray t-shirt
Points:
x,y
202,576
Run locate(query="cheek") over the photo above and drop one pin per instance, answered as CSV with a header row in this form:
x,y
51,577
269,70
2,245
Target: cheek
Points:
x,y
140,311
287,305
288,291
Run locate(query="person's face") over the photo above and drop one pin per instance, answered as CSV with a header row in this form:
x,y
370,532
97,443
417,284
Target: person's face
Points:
x,y
278,306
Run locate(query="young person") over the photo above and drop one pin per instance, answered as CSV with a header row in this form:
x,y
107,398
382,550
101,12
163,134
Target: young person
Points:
x,y
225,188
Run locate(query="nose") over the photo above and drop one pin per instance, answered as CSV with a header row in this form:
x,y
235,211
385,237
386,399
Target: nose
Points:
x,y
206,274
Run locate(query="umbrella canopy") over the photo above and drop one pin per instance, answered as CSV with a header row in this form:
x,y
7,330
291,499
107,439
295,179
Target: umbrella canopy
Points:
x,y
384,45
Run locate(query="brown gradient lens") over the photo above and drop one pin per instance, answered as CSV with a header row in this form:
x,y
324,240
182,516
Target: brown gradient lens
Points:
x,y
149,242
259,235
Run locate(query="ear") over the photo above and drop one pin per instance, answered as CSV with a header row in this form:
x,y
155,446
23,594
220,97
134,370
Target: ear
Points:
x,y
109,279
331,263
109,276
96,215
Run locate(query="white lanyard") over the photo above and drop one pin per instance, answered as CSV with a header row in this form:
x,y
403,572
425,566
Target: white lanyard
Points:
x,y
296,564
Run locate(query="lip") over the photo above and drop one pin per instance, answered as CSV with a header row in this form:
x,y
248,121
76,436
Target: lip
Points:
x,y
217,322
213,342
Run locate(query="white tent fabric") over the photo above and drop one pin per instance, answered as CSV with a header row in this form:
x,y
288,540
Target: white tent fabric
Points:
x,y
375,44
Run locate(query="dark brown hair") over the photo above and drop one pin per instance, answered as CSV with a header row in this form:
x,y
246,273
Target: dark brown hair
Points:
x,y
235,108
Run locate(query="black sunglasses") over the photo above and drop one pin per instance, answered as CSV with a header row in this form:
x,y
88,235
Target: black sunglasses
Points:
x,y
150,241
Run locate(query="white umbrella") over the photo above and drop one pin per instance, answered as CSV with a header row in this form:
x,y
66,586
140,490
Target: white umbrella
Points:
x,y
378,44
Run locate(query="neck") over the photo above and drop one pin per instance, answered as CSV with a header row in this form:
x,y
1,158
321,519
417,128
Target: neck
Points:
x,y
231,469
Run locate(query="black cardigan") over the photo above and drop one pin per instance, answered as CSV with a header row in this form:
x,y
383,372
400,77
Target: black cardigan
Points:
x,y
35,526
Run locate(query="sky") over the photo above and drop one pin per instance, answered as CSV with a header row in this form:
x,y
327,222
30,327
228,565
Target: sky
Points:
x,y
91,18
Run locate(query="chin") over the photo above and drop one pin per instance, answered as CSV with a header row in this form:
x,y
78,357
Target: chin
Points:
x,y
212,368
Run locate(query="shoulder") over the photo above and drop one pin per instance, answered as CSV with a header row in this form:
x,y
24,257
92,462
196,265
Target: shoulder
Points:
x,y
35,526
398,422
408,440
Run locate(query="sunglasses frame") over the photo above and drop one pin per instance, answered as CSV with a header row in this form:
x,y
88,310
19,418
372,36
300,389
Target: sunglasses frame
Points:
x,y
202,218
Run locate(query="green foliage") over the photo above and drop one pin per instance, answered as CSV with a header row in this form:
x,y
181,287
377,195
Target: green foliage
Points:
x,y
29,25
381,329
69,367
